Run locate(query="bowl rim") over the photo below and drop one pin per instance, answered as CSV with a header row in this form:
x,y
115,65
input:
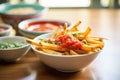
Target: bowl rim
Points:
x,y
3,5
25,22
6,26
16,37
41,52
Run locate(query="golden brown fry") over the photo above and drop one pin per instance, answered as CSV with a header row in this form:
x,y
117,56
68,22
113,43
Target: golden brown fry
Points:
x,y
86,47
52,52
96,49
82,35
92,47
65,26
66,53
75,27
38,47
64,29
82,51
95,38
97,45
98,38
33,42
95,42
52,46
73,52
87,32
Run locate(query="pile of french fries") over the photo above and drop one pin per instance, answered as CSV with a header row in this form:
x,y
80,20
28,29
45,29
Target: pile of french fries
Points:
x,y
90,43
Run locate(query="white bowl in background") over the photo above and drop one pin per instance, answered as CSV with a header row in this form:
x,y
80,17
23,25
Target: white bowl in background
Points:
x,y
32,34
15,18
13,54
5,29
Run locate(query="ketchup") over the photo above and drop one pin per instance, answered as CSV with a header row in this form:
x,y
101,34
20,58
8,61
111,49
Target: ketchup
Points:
x,y
69,42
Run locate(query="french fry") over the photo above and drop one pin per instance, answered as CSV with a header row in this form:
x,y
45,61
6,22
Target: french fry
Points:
x,y
52,52
86,48
64,29
96,49
97,45
73,52
33,42
98,38
82,51
75,27
52,47
66,53
95,42
87,32
38,47
80,37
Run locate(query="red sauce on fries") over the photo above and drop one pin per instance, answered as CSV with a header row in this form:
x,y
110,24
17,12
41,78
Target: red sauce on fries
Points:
x,y
68,42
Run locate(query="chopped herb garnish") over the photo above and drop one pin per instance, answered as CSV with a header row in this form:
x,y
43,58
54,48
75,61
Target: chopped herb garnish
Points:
x,y
10,45
75,34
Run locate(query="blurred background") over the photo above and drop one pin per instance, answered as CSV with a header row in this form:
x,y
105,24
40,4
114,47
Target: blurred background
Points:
x,y
96,13
71,3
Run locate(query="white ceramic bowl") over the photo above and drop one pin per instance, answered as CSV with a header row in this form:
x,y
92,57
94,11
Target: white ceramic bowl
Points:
x,y
64,63
13,54
33,34
7,28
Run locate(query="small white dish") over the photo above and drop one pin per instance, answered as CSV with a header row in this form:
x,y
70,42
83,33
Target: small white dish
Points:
x,y
18,15
13,54
5,29
32,34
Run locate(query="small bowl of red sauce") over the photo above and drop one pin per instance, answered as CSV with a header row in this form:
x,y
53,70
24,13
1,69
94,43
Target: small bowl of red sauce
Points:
x,y
35,27
5,29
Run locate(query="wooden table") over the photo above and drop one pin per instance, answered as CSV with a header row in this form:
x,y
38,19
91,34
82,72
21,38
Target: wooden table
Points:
x,y
104,22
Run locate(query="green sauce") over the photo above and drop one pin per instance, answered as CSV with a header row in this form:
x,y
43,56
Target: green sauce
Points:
x,y
10,45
